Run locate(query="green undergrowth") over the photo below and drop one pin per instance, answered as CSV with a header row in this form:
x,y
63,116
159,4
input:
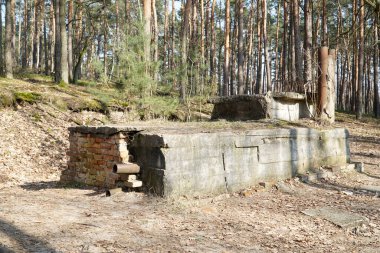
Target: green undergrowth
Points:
x,y
31,88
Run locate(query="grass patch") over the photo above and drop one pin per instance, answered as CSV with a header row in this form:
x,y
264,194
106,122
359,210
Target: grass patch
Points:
x,y
29,97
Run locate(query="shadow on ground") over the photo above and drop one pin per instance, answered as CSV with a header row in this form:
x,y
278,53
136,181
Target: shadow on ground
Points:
x,y
24,241
43,185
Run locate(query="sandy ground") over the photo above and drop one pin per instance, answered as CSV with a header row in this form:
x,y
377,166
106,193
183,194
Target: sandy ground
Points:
x,y
39,215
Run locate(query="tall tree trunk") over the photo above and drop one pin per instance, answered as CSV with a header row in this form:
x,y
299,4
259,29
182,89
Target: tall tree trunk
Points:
x,y
324,24
359,105
259,52
233,42
8,45
213,46
184,38
52,37
249,51
19,33
105,40
41,39
172,60
70,16
46,50
37,32
202,35
284,56
166,54
226,71
155,39
241,48
276,65
57,46
308,61
265,40
147,20
297,46
376,101
25,54
63,37
32,17
78,40
1,40
355,57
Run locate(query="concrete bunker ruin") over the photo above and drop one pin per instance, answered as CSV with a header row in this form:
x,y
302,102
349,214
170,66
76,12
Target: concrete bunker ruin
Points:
x,y
289,106
182,161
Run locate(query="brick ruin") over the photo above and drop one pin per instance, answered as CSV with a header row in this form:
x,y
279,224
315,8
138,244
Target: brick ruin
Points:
x,y
92,155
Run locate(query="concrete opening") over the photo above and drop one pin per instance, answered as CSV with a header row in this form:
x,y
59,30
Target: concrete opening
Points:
x,y
180,161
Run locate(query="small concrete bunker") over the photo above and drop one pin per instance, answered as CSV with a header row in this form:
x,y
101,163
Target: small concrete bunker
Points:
x,y
289,106
183,161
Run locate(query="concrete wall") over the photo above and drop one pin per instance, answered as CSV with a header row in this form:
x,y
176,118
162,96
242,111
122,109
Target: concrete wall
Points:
x,y
175,162
210,163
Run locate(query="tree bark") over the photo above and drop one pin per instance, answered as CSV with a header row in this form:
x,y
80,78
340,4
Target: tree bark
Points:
x,y
184,38
166,54
249,50
155,39
240,48
9,38
70,16
284,74
323,56
57,46
52,37
259,52
297,46
324,23
355,64
172,60
265,40
213,45
63,37
276,65
376,101
308,61
24,60
359,104
147,20
226,72
37,33
105,41
1,40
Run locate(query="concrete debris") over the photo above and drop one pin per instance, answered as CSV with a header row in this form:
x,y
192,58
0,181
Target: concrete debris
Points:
x,y
343,219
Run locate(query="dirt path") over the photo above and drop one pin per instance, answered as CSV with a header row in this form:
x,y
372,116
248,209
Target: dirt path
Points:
x,y
41,216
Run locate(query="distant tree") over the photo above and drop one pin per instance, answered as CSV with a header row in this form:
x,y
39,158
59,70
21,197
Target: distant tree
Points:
x,y
9,38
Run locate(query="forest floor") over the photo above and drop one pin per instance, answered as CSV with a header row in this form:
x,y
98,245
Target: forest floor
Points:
x,y
37,214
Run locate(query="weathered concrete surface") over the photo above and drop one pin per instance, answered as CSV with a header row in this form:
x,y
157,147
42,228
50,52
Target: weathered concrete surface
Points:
x,y
371,188
181,161
288,106
340,218
207,163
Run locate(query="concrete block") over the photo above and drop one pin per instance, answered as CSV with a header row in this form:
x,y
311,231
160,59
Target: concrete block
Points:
x,y
133,183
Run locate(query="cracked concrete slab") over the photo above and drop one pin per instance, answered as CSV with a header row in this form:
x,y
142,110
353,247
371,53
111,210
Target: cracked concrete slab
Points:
x,y
339,217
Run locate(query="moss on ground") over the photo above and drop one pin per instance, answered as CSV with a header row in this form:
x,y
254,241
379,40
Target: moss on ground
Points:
x,y
29,97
